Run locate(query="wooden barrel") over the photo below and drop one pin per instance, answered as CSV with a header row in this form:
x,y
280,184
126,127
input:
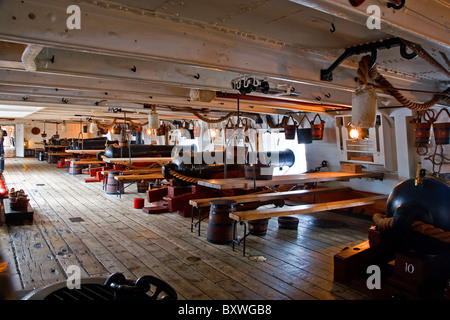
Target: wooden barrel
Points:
x,y
441,133
74,168
258,227
112,184
142,186
288,222
220,226
422,132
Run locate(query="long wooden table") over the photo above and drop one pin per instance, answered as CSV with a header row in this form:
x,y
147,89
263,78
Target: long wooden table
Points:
x,y
243,183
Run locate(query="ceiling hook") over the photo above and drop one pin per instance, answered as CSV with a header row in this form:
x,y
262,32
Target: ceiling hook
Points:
x,y
396,6
333,28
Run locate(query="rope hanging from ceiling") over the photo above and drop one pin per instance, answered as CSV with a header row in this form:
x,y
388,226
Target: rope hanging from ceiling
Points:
x,y
207,120
364,70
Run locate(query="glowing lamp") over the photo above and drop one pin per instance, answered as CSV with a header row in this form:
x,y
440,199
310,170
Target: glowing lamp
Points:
x,y
354,133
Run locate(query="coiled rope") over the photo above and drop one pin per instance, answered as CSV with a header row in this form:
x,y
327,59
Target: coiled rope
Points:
x,y
364,70
183,177
383,223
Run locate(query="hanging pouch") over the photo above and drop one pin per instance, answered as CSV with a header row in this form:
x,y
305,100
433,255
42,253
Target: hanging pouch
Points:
x,y
304,135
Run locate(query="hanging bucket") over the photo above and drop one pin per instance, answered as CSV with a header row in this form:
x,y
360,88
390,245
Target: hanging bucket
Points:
x,y
422,132
441,133
161,131
220,227
304,135
197,129
441,130
290,129
317,129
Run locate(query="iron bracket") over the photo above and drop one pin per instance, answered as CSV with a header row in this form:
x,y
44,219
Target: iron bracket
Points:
x,y
327,74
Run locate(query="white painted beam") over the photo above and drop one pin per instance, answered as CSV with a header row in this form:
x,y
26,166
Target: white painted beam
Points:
x,y
422,22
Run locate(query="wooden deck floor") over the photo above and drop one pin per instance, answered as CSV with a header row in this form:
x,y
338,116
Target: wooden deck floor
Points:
x,y
115,237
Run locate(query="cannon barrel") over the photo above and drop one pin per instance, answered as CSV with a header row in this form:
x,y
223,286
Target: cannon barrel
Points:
x,y
91,143
210,164
427,201
146,150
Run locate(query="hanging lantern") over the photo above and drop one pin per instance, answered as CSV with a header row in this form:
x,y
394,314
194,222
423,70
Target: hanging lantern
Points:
x,y
63,126
56,135
153,119
364,106
93,128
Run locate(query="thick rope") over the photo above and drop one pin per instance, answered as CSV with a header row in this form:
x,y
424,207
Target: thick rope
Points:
x,y
135,124
107,126
383,223
183,177
364,70
426,56
431,231
207,120
387,86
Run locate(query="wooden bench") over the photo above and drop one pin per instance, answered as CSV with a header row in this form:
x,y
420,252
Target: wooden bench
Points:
x,y
248,215
255,197
53,157
132,178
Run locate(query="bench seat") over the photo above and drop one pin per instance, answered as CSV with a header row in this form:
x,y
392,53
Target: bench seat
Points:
x,y
304,208
258,214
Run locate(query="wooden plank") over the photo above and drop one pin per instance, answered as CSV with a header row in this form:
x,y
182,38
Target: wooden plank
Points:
x,y
139,177
243,183
304,208
265,196
116,237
